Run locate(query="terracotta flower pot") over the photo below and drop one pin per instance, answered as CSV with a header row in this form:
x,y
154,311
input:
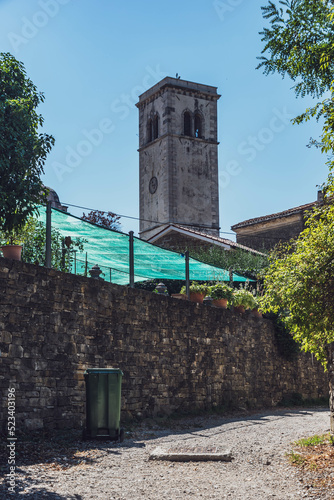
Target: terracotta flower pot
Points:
x,y
197,297
220,303
256,313
239,309
12,252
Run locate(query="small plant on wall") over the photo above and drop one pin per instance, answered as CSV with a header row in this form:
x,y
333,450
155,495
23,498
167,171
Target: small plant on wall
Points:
x,y
197,291
220,291
244,299
221,294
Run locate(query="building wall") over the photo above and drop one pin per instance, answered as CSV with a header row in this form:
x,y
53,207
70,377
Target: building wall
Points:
x,y
153,158
175,355
266,235
180,243
186,167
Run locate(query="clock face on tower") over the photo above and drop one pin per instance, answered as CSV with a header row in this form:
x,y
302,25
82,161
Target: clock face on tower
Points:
x,y
153,185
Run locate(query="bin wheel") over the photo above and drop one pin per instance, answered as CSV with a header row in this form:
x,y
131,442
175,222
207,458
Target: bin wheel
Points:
x,y
121,435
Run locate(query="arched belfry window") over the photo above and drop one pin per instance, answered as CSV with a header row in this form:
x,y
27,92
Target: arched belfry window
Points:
x,y
198,125
149,131
187,123
156,127
153,128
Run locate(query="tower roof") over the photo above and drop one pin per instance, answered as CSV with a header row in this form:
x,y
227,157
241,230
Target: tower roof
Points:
x,y
181,85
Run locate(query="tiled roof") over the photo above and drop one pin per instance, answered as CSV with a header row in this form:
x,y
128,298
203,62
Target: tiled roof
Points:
x,y
278,215
208,237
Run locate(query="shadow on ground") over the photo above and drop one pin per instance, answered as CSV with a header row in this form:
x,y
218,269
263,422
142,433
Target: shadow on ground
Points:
x,y
28,490
63,450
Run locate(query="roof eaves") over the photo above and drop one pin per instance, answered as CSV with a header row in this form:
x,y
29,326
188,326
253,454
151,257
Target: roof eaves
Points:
x,y
278,215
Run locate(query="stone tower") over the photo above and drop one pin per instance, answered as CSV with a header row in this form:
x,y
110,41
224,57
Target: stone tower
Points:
x,y
178,157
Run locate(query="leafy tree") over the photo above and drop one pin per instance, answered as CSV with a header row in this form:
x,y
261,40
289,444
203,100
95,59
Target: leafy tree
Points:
x,y
299,287
23,150
300,44
299,283
108,220
242,262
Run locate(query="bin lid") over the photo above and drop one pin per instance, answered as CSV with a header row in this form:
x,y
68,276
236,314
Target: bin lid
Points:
x,y
103,370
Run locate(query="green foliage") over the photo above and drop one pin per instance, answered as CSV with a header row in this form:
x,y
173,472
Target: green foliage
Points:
x,y
108,220
220,291
299,284
33,237
197,288
244,298
296,458
300,44
23,150
14,237
244,263
312,440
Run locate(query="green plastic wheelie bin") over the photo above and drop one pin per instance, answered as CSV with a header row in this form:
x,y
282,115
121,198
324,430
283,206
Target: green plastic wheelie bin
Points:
x,y
103,404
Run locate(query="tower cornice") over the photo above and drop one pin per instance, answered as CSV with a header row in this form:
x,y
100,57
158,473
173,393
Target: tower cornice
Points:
x,y
183,87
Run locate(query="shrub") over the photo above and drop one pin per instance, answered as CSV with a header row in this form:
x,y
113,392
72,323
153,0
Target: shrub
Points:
x,y
220,291
196,288
244,298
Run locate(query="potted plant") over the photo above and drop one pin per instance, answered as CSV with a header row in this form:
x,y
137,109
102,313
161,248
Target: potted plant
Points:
x,y
11,244
243,299
13,238
221,294
197,291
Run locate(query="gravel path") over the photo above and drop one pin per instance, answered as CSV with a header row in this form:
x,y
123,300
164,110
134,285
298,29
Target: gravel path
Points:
x,y
259,468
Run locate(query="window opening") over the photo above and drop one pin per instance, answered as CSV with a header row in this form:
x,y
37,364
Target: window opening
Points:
x,y
187,123
155,127
198,126
149,131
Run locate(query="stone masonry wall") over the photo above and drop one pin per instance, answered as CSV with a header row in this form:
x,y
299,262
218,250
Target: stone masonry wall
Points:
x,y
267,239
266,235
175,355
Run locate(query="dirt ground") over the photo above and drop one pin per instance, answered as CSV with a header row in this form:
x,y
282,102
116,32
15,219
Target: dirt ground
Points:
x,y
62,466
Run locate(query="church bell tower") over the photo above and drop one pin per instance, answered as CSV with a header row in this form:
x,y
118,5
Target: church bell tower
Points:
x,y
178,157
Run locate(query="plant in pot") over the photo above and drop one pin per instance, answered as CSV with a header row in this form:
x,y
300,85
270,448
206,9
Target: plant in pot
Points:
x,y
221,294
197,291
15,230
243,299
11,244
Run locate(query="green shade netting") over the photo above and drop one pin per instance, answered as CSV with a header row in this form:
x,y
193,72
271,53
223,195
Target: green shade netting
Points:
x,y
110,250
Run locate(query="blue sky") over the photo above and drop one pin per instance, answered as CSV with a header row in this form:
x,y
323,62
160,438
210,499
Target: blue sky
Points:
x,y
93,59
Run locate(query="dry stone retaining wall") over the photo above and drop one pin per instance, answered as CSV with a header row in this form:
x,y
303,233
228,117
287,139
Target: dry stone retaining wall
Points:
x,y
175,355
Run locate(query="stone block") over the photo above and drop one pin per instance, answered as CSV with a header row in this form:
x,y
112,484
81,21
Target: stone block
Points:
x,y
5,337
15,351
33,424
